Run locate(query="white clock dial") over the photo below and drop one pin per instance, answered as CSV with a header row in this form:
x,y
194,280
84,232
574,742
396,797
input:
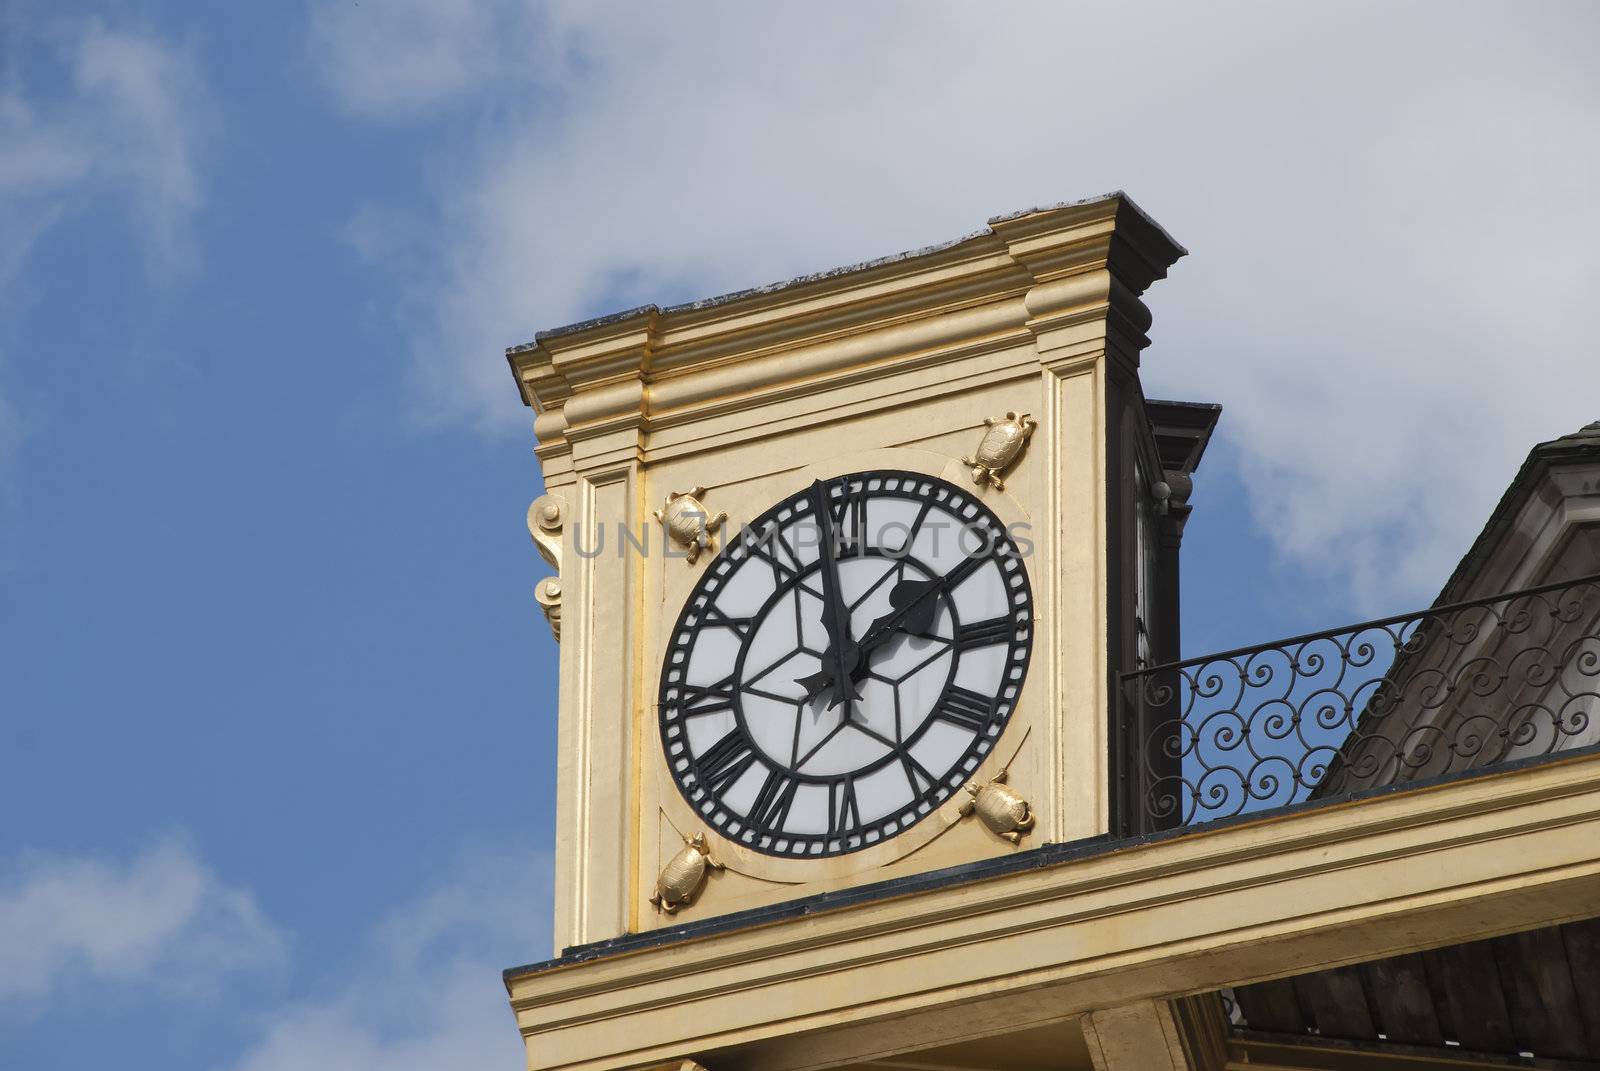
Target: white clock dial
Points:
x,y
845,664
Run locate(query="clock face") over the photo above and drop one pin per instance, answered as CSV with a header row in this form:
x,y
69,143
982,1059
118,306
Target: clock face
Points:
x,y
845,663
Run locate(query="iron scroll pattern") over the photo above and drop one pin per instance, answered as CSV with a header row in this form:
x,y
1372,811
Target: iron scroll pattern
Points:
x,y
1327,714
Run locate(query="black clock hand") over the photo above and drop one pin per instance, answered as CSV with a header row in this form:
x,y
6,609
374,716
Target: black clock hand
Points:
x,y
840,660
915,606
913,611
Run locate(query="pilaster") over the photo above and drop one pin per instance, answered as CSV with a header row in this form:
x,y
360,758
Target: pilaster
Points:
x,y
1089,264
595,432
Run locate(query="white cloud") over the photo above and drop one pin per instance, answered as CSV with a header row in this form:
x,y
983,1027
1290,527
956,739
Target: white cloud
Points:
x,y
428,993
424,994
162,918
1390,206
149,98
128,125
402,59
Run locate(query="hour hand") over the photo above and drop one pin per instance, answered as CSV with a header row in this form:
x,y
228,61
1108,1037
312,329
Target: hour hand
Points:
x,y
913,611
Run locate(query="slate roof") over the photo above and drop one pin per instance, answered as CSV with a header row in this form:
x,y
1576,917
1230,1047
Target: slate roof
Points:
x,y
1580,445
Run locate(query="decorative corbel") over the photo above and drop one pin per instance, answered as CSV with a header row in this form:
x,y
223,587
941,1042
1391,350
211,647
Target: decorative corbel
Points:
x,y
547,593
546,517
1002,444
1172,491
688,523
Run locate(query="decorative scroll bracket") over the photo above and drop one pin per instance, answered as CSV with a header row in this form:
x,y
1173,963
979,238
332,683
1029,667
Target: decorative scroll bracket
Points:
x,y
546,518
547,593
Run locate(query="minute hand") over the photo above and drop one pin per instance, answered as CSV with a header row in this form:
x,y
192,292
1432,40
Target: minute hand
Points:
x,y
842,650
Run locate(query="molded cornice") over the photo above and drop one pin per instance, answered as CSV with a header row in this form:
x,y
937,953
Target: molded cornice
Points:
x,y
1066,276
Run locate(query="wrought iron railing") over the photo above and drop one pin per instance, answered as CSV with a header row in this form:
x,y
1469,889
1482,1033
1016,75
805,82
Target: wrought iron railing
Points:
x,y
1329,714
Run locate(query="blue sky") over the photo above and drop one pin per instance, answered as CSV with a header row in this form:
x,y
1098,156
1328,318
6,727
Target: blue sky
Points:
x,y
276,703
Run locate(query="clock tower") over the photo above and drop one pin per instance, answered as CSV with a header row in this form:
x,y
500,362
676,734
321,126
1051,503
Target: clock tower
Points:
x,y
877,750
845,568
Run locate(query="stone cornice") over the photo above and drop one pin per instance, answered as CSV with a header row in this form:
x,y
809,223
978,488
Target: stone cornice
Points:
x,y
1461,860
1071,272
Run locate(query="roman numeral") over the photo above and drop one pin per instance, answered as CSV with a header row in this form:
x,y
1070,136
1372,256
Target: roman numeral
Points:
x,y
771,809
968,709
984,633
852,504
921,780
773,549
725,762
908,535
844,810
716,618
707,698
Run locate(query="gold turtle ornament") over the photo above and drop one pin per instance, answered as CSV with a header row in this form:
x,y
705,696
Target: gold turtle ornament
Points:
x,y
1000,808
682,876
687,521
1001,445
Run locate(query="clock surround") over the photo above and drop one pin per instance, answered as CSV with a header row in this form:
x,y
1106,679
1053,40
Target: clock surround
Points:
x,y
760,737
